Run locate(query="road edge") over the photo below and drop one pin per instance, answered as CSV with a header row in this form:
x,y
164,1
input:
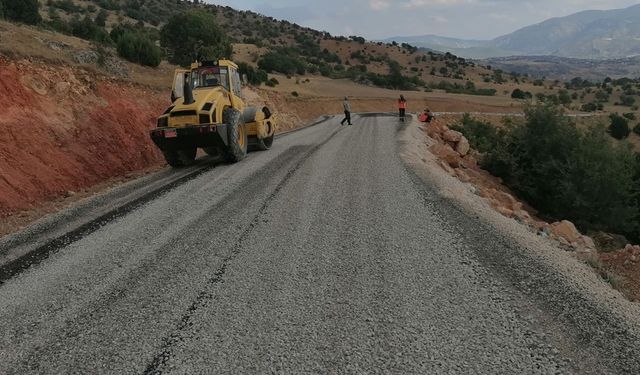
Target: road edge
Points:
x,y
597,308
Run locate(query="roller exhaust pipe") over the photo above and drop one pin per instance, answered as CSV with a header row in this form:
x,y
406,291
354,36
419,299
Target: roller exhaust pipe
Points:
x,y
188,94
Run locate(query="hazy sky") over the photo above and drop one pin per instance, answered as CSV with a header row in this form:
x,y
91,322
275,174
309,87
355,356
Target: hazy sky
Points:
x,y
378,19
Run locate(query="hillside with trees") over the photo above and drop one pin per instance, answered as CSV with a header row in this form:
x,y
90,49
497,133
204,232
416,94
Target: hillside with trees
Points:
x,y
148,31
151,31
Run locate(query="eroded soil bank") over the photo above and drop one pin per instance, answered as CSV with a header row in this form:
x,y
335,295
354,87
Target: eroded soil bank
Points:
x,y
66,129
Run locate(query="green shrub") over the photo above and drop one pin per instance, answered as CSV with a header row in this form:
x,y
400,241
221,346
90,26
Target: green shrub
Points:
x,y
589,107
101,18
599,186
565,173
85,28
627,100
519,94
281,62
272,82
254,76
25,11
619,126
564,97
60,25
629,115
295,94
468,88
636,129
138,49
481,135
65,5
108,4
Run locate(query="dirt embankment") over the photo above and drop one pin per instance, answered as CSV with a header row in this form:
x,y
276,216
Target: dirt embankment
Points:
x,y
66,129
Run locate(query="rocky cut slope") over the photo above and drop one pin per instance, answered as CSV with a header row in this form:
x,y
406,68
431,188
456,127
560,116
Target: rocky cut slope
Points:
x,y
64,129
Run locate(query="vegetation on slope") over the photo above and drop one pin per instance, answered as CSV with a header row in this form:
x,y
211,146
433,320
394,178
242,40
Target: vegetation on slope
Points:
x,y
564,172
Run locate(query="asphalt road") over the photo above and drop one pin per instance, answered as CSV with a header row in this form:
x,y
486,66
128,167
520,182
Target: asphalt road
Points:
x,y
322,255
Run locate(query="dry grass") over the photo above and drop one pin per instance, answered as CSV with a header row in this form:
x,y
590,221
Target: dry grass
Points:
x,y
322,87
31,42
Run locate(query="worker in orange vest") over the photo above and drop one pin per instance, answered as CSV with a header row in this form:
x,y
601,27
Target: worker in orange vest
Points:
x,y
402,107
426,116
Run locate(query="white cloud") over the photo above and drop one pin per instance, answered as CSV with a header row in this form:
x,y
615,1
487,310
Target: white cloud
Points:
x,y
428,3
379,5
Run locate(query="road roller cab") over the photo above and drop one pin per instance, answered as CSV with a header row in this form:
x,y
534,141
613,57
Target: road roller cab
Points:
x,y
208,112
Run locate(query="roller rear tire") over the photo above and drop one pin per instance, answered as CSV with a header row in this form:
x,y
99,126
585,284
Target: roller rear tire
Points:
x,y
236,135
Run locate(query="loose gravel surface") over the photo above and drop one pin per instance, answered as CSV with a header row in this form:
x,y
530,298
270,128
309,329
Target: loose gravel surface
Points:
x,y
325,254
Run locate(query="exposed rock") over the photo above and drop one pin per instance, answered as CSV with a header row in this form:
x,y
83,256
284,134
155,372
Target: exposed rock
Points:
x,y
436,129
62,88
54,44
115,66
563,242
35,84
470,161
462,176
86,57
463,146
446,153
452,136
566,230
502,199
588,242
607,242
447,168
522,216
505,211
106,59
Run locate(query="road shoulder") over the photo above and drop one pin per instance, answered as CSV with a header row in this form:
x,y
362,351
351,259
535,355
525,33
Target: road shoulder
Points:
x,y
558,289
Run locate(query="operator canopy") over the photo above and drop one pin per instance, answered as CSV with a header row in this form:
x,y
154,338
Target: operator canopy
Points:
x,y
210,77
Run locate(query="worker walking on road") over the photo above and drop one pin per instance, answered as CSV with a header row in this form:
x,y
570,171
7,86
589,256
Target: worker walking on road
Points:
x,y
347,112
402,107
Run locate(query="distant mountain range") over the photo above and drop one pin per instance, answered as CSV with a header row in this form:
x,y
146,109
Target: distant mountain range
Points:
x,y
591,34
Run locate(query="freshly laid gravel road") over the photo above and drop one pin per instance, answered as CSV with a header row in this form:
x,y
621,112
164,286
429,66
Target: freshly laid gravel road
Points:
x,y
325,254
